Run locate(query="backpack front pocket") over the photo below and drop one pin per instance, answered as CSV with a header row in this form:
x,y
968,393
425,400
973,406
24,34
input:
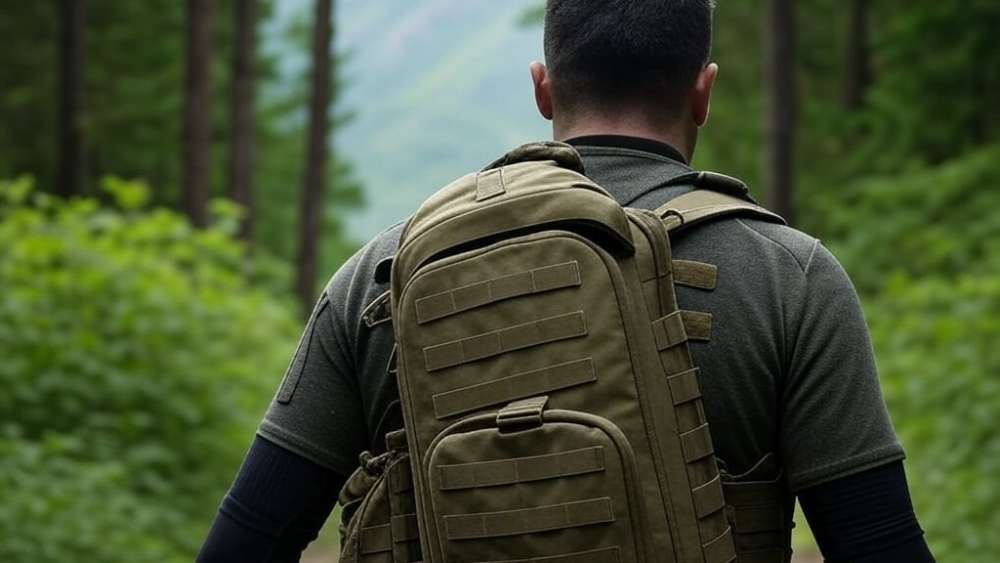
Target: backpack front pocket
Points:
x,y
528,485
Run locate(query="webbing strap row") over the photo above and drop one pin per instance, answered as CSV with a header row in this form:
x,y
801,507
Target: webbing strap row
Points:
x,y
684,386
521,469
379,539
695,274
481,346
756,519
529,520
513,387
721,549
405,528
400,478
697,324
680,326
708,498
376,539
603,555
757,506
697,443
465,298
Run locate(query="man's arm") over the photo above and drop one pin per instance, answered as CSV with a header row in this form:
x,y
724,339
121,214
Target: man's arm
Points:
x,y
837,442
866,518
276,506
307,443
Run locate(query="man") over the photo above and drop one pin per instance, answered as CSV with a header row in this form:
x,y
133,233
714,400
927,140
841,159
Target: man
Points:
x,y
788,376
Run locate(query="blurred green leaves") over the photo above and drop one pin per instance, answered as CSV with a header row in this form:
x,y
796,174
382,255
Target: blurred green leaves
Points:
x,y
137,360
936,340
922,248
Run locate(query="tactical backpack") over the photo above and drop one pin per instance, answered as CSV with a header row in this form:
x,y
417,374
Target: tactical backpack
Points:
x,y
552,411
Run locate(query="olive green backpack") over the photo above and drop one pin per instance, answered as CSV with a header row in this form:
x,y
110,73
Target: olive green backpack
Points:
x,y
552,411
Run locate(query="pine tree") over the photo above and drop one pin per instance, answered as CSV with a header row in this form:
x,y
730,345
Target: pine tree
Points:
x,y
197,132
317,153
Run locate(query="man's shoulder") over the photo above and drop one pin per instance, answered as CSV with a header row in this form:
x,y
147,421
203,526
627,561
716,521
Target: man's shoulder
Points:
x,y
775,238
353,285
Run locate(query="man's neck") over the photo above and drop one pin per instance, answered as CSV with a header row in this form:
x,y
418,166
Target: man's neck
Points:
x,y
674,136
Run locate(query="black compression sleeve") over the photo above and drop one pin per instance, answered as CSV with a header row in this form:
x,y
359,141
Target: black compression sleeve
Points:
x,y
866,518
276,506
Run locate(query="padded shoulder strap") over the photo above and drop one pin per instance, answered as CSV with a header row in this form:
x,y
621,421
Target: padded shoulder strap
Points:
x,y
704,204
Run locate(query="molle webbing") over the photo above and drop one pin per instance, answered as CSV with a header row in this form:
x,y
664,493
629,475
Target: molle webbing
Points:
x,y
680,326
761,525
672,332
537,280
529,520
494,343
517,386
606,555
695,274
521,469
527,285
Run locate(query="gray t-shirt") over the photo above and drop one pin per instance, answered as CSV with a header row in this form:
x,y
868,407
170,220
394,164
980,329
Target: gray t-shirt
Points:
x,y
789,369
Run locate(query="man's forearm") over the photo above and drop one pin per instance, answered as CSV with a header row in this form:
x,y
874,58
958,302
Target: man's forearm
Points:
x,y
276,506
866,518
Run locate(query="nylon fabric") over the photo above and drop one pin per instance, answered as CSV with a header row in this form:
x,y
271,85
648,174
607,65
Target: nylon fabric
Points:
x,y
518,386
521,469
526,285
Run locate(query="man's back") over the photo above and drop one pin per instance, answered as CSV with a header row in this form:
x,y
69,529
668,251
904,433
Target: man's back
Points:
x,y
789,383
789,355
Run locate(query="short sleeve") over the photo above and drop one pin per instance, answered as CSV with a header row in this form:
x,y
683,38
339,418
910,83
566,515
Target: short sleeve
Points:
x,y
834,420
317,410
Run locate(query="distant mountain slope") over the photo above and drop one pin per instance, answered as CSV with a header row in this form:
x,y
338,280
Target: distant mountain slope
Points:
x,y
439,87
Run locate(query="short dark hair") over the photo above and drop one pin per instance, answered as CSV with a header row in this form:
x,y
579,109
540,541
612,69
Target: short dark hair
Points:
x,y
600,52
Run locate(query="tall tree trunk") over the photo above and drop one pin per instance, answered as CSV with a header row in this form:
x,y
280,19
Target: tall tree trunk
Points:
x,y
317,153
782,97
72,15
243,130
858,56
197,127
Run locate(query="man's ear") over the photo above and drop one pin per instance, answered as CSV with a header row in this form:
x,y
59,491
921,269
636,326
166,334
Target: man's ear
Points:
x,y
701,94
543,89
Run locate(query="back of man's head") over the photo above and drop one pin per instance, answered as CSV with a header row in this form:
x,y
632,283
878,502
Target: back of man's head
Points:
x,y
605,53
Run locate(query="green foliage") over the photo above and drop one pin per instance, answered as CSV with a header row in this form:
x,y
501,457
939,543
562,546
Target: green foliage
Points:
x,y
937,74
936,342
133,95
927,222
137,361
922,247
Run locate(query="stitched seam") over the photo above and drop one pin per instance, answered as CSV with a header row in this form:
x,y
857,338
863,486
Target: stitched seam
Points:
x,y
812,254
788,335
774,242
845,467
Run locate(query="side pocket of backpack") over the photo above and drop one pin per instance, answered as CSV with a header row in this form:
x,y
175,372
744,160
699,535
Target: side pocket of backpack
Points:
x,y
378,518
756,509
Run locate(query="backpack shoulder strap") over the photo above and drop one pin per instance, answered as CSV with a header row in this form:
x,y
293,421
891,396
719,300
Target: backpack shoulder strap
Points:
x,y
704,204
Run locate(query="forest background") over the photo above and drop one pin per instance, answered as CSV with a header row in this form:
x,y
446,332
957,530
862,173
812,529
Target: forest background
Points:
x,y
177,182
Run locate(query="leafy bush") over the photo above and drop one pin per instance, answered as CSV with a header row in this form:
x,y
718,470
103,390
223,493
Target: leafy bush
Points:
x,y
137,360
923,248
933,221
937,347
